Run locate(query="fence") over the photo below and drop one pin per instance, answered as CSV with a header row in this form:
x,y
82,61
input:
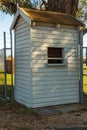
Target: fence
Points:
x,y
6,67
85,73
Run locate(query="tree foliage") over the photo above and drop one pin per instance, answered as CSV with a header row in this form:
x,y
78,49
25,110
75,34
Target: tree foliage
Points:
x,y
10,6
82,10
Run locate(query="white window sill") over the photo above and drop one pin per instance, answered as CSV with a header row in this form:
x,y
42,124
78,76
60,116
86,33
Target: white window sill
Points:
x,y
64,64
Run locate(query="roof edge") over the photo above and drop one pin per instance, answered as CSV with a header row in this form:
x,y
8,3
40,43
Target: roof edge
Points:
x,y
77,20
14,20
22,13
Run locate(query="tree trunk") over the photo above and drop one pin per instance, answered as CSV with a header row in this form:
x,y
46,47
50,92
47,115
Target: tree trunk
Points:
x,y
63,6
74,7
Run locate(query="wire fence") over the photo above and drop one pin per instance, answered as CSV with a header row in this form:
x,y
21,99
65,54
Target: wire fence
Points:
x,y
2,78
6,68
85,73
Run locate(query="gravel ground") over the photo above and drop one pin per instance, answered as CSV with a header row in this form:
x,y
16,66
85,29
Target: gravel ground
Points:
x,y
17,117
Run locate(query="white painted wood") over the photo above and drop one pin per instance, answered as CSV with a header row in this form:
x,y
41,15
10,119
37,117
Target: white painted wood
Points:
x,y
22,58
53,41
37,29
20,31
23,33
52,88
23,46
19,82
35,50
59,82
62,44
53,85
55,101
51,95
22,100
55,70
23,80
23,38
21,71
55,89
45,65
54,73
20,25
55,78
59,34
58,102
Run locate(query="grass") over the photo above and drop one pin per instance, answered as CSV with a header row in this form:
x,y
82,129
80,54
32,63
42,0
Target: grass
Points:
x,y
8,79
16,107
9,87
85,79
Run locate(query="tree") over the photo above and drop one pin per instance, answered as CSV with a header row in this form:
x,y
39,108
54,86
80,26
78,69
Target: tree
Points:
x,y
77,8
10,6
64,6
82,10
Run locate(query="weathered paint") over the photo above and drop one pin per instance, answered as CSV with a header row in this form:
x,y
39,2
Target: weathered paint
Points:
x,y
36,83
23,76
54,85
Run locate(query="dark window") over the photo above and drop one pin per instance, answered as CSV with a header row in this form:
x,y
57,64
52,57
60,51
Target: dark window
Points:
x,y
55,55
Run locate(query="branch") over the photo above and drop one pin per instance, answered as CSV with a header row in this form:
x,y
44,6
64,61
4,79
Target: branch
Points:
x,y
44,3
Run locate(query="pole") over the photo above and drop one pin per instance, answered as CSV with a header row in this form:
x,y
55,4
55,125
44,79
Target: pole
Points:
x,y
12,90
5,83
86,56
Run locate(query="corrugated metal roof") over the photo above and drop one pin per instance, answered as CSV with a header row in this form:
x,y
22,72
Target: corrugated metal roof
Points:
x,y
51,17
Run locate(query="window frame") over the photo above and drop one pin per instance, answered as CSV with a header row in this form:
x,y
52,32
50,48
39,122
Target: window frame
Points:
x,y
55,58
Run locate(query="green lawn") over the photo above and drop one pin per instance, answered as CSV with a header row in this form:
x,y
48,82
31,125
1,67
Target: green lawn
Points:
x,y
9,87
8,79
85,79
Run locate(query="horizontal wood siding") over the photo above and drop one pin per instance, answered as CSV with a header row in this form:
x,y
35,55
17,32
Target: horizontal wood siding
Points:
x,y
53,85
23,80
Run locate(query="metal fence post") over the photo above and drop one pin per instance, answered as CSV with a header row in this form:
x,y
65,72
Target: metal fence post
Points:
x,y
86,56
11,67
5,82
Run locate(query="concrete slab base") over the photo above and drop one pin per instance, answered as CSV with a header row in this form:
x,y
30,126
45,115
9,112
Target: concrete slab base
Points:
x,y
58,109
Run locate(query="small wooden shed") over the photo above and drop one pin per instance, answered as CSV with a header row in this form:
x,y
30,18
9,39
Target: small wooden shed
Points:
x,y
46,58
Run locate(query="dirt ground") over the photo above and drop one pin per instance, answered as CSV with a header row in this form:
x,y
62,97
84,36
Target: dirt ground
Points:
x,y
14,116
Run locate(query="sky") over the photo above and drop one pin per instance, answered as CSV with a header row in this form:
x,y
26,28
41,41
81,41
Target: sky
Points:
x,y
85,40
5,22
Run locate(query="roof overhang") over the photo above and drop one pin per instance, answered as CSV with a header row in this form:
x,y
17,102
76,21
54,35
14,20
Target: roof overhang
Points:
x,y
45,16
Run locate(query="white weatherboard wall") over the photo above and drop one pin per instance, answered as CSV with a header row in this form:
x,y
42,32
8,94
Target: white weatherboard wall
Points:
x,y
23,81
54,85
